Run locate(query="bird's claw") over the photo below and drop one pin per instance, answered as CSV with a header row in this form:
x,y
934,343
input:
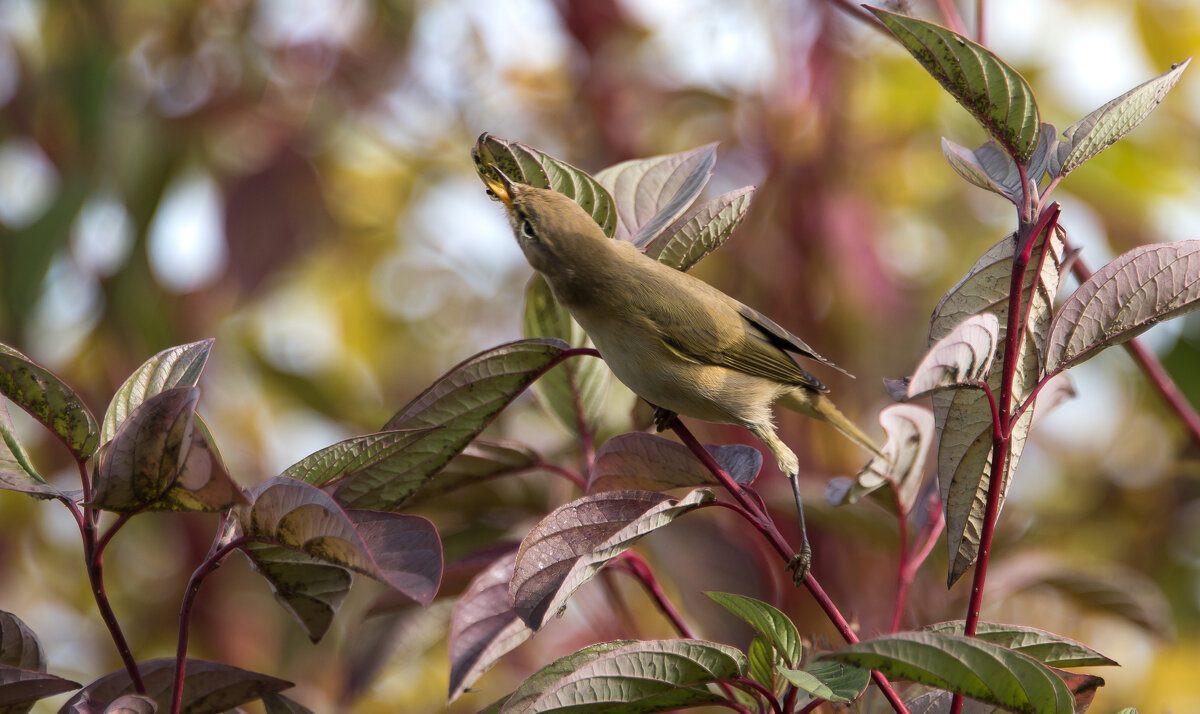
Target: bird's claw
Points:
x,y
663,418
800,564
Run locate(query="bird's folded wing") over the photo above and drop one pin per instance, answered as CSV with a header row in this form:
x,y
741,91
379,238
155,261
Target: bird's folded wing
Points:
x,y
743,346
784,339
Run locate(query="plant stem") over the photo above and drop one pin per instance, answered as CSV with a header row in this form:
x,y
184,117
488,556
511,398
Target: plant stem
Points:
x,y
637,566
924,544
185,613
762,521
763,691
565,473
94,558
953,19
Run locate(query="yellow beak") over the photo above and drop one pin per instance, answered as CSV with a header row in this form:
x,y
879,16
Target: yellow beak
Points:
x,y
498,185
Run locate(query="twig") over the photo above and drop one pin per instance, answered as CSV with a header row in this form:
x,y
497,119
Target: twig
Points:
x,y
211,563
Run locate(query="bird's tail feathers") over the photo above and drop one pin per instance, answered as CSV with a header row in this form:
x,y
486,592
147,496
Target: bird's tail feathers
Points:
x,y
821,407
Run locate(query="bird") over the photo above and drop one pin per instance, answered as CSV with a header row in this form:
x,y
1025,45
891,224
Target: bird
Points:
x,y
677,342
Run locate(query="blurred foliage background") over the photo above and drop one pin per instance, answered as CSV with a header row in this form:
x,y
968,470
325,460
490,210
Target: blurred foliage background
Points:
x,y
293,178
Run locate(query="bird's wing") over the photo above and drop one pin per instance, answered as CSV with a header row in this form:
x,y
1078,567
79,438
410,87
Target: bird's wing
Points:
x,y
696,336
784,339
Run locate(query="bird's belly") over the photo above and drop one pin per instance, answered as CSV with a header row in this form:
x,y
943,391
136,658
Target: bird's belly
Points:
x,y
706,392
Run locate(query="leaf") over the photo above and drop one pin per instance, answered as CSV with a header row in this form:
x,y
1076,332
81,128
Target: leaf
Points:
x,y
19,646
16,471
20,688
132,704
1135,291
964,665
1105,126
767,621
179,366
481,460
570,545
991,168
208,687
484,626
48,400
204,484
761,657
400,550
525,164
963,417
1046,647
459,404
355,454
994,93
910,430
960,358
831,681
651,193
308,588
640,461
651,675
279,704
574,392
703,230
150,450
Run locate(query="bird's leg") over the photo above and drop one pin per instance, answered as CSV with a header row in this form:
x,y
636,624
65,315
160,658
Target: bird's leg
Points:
x,y
801,562
663,418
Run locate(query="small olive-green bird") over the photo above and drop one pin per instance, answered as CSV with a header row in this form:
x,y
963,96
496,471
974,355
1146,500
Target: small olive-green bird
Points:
x,y
673,339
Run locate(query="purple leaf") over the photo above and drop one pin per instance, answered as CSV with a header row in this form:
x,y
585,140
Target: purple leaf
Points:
x,y
483,626
19,647
571,544
20,687
208,687
638,461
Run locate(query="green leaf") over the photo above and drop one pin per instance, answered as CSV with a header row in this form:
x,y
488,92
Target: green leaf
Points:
x,y
525,164
400,550
460,404
909,430
570,545
179,366
831,681
16,471
645,462
150,450
310,589
767,621
20,688
961,358
19,646
481,460
647,676
208,687
48,400
484,626
703,230
994,93
651,193
963,665
1131,294
574,392
1105,126
1046,647
379,450
762,656
964,417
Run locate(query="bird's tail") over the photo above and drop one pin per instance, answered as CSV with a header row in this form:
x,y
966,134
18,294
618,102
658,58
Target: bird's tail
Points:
x,y
819,406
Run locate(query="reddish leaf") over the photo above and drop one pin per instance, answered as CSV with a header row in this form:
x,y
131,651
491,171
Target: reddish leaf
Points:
x,y
484,625
20,687
208,687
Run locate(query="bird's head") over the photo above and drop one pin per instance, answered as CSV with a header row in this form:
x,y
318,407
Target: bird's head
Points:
x,y
554,231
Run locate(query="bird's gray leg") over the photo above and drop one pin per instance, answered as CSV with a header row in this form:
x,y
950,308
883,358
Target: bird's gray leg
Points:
x,y
801,562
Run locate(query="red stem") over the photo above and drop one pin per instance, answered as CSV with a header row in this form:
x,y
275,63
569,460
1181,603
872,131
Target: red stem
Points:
x,y
953,19
763,523
185,613
637,566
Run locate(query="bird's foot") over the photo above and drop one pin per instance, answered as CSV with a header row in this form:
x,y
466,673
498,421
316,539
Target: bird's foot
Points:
x,y
801,564
663,418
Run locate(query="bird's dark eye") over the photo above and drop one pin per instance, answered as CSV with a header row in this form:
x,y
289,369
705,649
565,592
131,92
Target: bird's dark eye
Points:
x,y
527,229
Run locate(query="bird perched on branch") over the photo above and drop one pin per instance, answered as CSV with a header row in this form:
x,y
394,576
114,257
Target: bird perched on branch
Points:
x,y
673,339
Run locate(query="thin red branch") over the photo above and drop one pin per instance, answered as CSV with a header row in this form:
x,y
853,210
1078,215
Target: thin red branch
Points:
x,y
211,563
952,17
